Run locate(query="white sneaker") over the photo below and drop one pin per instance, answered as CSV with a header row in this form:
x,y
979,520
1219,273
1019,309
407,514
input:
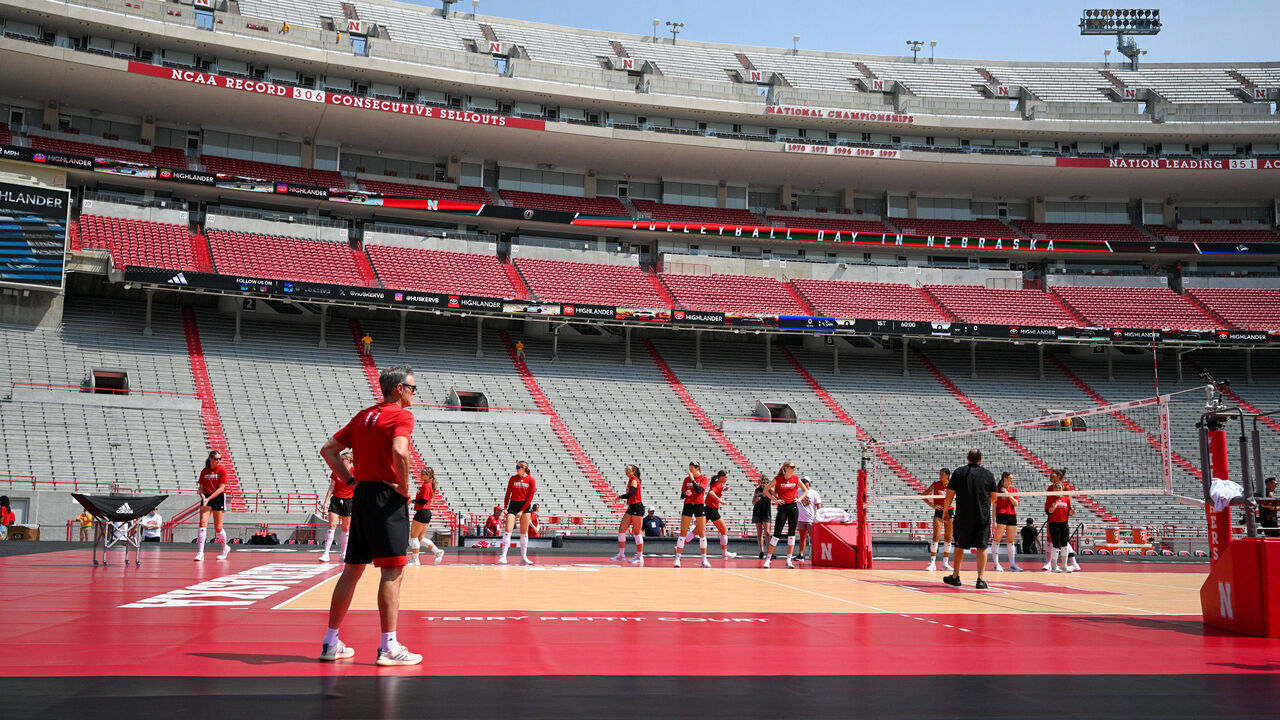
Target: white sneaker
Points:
x,y
619,557
336,651
223,555
398,655
705,561
1016,568
790,564
439,556
677,562
1069,569
999,567
525,561
199,557
1056,569
1048,567
413,559
729,555
946,565
766,561
502,559
637,560
1075,567
324,557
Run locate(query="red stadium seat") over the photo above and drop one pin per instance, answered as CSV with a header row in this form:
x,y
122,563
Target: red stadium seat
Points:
x,y
1245,308
408,268
591,283
284,258
462,194
695,213
160,156
1135,307
974,303
733,293
881,301
606,206
140,242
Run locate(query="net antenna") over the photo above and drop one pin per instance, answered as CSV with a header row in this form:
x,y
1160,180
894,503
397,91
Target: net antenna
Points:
x,y
1122,22
1116,449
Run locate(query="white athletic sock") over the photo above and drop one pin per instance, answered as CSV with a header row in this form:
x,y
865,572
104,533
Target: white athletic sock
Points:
x,y
221,537
622,541
524,546
1062,557
388,640
791,545
342,548
328,540
639,544
506,543
702,545
1012,549
430,546
413,545
995,553
200,536
330,635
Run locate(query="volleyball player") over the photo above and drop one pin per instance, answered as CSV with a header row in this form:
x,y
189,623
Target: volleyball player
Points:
x,y
693,491
519,496
213,497
785,489
761,514
715,498
422,516
942,526
1007,522
1060,510
338,499
633,517
1061,475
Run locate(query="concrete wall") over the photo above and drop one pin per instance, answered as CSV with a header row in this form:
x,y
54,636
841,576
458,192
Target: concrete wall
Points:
x,y
449,244
1108,280
1231,282
788,269
134,212
267,227
592,256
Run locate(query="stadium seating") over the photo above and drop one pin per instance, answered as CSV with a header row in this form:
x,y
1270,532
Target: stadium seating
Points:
x,y
160,156
830,222
695,213
606,206
733,293
880,301
1135,307
407,268
974,303
1226,235
284,258
1245,308
955,228
461,194
1083,231
140,242
591,283
272,171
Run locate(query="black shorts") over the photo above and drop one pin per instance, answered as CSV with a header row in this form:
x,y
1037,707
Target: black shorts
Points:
x,y
970,534
1059,534
713,514
695,511
422,516
1006,518
518,507
951,514
379,526
150,539
218,503
340,506
762,513
635,509
788,516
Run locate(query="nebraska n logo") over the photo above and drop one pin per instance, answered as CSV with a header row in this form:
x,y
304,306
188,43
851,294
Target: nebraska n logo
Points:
x,y
179,279
826,551
124,509
1224,600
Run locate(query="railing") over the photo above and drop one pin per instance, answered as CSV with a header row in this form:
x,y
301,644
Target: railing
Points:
x,y
465,408
100,390
38,484
288,502
780,420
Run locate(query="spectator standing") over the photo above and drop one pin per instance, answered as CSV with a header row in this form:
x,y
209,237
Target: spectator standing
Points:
x,y
1267,510
6,517
151,525
810,504
86,522
972,490
761,514
520,349
367,341
654,526
1029,536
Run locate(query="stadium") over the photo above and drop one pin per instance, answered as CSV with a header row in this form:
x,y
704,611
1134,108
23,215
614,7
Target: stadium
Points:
x,y
228,222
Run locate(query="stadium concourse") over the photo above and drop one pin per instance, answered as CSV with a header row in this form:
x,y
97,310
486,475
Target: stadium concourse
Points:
x,y
222,220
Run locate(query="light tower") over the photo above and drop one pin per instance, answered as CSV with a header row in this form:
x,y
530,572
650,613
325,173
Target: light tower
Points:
x,y
1121,23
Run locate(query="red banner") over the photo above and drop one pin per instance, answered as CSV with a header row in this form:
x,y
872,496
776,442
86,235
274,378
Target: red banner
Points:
x,y
1170,163
260,87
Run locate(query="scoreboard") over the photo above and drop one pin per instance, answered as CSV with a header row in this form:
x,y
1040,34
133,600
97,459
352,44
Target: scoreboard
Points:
x,y
33,235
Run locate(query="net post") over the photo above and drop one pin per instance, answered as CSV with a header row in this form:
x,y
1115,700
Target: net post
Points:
x,y
863,555
1166,443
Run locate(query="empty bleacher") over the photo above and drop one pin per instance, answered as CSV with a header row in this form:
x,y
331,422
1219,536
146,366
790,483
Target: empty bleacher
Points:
x,y
809,71
303,13
160,156
1245,308
548,45
932,80
1183,85
1135,307
422,26
1083,231
284,258
591,283
394,189
140,242
880,301
1227,235
409,268
686,60
1056,84
974,303
830,222
272,171
607,206
695,213
986,227
732,293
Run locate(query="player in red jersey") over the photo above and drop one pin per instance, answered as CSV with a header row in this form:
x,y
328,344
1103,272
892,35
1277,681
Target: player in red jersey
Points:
x,y
213,497
422,516
1007,522
338,499
785,490
942,526
715,498
379,436
633,518
693,490
519,496
1060,512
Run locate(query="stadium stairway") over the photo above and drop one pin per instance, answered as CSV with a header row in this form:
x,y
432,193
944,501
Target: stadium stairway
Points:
x,y
365,268
439,506
1235,398
660,287
696,411
200,250
589,469
1093,505
937,304
1208,310
800,299
1131,425
517,280
209,409
1081,319
888,459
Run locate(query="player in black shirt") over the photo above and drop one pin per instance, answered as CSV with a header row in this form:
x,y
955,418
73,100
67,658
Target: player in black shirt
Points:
x,y
973,490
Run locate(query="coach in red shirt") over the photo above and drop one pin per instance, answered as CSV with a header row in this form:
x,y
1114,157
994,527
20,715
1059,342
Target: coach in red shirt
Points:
x,y
379,439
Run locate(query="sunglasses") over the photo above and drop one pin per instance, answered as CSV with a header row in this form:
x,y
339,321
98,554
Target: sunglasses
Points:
x,y
412,388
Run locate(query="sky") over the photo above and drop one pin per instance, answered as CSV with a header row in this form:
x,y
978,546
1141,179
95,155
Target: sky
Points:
x,y
1044,30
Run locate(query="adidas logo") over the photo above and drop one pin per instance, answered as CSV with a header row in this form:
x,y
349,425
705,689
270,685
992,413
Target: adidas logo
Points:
x,y
124,509
179,279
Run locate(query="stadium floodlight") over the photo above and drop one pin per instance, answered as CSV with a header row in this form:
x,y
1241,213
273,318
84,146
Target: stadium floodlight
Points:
x,y
915,46
795,44
1121,23
675,28
933,45
447,5
475,8
656,23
